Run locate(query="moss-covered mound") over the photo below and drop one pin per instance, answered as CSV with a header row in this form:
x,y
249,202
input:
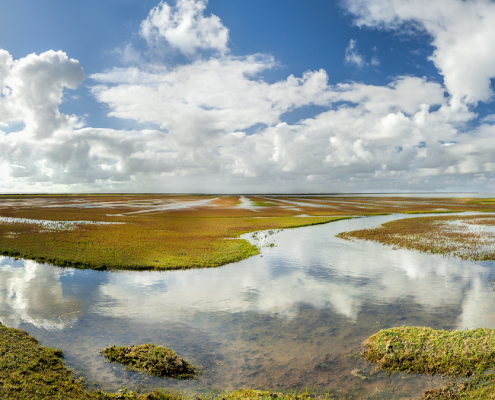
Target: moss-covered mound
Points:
x,y
30,371
469,353
154,360
429,351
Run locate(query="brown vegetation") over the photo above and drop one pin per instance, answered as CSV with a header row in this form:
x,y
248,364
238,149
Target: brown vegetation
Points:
x,y
467,237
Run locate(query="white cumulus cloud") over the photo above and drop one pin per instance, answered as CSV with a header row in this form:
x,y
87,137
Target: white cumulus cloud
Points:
x,y
184,27
32,89
214,124
462,32
207,97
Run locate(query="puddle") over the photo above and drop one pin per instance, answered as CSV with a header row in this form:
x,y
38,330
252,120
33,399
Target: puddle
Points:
x,y
247,204
55,225
293,317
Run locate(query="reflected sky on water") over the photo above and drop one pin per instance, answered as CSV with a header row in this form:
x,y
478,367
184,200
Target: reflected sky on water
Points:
x,y
293,317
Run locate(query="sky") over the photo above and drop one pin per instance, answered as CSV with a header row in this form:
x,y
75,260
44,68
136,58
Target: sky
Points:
x,y
247,96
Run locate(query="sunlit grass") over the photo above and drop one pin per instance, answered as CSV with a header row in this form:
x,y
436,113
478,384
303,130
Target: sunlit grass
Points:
x,y
421,350
158,242
151,359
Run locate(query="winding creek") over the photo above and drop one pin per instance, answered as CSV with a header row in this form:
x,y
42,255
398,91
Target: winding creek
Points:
x,y
293,317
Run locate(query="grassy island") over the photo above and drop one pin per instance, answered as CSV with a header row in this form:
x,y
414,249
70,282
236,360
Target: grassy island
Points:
x,y
151,359
469,354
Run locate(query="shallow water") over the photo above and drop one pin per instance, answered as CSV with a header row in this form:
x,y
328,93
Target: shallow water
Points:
x,y
293,317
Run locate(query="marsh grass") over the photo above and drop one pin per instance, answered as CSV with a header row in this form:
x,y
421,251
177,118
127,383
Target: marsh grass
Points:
x,y
466,237
176,241
433,212
429,351
262,204
151,359
422,350
30,371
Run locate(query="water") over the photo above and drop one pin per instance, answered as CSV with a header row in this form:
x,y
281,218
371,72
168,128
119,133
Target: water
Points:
x,y
293,317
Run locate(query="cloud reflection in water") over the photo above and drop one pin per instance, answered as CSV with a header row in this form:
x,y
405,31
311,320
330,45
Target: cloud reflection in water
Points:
x,y
33,293
309,266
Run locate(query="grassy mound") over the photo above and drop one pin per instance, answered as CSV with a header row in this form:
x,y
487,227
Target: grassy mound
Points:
x,y
154,360
469,353
30,371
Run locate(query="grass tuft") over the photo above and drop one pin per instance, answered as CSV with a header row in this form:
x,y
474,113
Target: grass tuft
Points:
x,y
429,351
151,359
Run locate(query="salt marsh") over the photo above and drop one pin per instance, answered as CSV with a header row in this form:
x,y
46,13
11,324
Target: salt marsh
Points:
x,y
292,317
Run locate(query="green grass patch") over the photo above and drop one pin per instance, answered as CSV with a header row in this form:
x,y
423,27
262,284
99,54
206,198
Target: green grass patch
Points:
x,y
31,372
481,201
172,241
262,204
429,351
151,359
422,350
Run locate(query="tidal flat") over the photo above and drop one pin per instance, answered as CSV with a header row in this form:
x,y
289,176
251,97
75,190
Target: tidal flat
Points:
x,y
293,315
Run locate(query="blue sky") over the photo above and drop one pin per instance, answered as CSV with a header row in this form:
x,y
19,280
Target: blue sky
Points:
x,y
301,35
190,95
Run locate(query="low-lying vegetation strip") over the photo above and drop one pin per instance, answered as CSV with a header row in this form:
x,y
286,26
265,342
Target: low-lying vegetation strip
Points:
x,y
469,236
151,359
421,350
160,242
433,212
159,232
